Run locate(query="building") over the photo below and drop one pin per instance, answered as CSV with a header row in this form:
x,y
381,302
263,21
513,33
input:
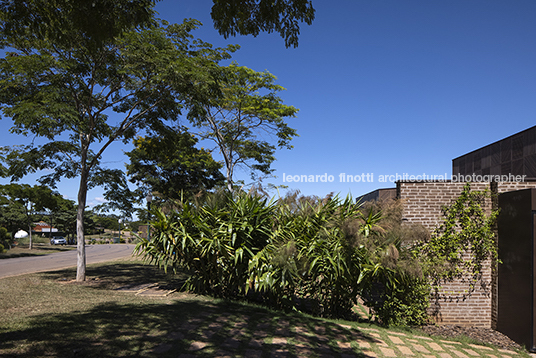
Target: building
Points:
x,y
43,227
508,169
513,155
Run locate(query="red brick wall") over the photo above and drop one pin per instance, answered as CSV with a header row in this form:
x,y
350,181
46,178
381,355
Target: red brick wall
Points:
x,y
422,205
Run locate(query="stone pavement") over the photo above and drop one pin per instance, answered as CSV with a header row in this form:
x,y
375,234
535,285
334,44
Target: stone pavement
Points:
x,y
216,333
220,335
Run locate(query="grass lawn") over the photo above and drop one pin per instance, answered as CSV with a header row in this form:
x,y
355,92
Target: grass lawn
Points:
x,y
49,314
38,249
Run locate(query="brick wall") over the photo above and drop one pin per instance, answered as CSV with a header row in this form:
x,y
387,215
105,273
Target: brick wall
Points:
x,y
512,186
422,205
423,200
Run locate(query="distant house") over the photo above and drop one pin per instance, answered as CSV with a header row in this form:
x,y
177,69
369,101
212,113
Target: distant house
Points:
x,y
43,227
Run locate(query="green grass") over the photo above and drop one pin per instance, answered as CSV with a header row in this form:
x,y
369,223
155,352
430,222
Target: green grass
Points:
x,y
22,250
49,314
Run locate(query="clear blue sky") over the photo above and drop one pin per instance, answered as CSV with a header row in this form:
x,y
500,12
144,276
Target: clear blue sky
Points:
x,y
385,87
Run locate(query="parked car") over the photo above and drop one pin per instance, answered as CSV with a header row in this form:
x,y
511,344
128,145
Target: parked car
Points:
x,y
58,240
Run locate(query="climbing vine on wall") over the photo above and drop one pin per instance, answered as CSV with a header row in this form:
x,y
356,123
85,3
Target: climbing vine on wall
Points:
x,y
462,245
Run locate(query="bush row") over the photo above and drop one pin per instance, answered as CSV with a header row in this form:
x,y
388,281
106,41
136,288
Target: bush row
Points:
x,y
305,253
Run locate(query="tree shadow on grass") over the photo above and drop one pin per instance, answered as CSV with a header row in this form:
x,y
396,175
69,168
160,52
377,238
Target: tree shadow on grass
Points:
x,y
193,327
112,276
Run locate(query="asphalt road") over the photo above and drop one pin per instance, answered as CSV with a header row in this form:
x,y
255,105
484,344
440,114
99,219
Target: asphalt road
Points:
x,y
60,260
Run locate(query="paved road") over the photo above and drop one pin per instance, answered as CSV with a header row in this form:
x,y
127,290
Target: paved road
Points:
x,y
60,260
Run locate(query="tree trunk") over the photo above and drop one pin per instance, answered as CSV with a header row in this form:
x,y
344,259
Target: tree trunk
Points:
x,y
229,184
30,246
229,173
81,242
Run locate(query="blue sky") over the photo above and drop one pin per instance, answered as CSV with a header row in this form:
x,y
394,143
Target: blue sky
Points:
x,y
384,87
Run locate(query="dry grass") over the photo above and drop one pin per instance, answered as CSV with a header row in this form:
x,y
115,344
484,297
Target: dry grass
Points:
x,y
22,250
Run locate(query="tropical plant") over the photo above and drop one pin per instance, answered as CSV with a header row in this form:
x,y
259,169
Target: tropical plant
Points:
x,y
305,253
214,243
392,282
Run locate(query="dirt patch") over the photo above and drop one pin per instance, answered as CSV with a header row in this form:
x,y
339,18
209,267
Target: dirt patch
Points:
x,y
483,335
156,291
90,281
135,287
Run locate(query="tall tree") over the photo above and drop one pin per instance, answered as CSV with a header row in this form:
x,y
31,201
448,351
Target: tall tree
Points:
x,y
246,120
80,92
70,63
169,164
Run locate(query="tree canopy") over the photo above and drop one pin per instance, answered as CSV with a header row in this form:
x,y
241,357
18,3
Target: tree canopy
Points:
x,y
66,22
99,20
251,17
170,166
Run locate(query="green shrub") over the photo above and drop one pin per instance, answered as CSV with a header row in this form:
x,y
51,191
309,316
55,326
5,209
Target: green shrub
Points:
x,y
316,263
404,302
301,253
214,242
5,239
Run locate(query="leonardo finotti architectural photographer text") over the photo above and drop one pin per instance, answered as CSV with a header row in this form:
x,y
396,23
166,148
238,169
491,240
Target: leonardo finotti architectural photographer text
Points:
x,y
391,178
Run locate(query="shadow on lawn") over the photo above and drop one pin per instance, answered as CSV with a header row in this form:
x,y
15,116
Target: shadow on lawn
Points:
x,y
193,327
111,276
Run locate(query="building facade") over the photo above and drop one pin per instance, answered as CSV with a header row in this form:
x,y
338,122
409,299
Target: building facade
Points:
x,y
492,168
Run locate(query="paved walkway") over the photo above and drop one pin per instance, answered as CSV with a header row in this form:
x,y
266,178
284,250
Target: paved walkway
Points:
x,y
217,334
288,339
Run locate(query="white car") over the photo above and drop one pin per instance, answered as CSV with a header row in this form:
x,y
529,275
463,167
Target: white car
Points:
x,y
58,240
